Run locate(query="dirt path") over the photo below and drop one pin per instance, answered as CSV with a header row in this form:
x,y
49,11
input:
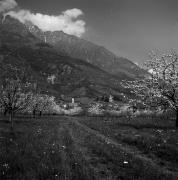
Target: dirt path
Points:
x,y
128,155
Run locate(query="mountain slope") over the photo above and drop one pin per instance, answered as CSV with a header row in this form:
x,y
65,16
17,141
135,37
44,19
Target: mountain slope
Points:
x,y
21,49
85,50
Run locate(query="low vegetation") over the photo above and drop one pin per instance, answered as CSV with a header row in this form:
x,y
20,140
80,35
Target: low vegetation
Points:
x,y
59,147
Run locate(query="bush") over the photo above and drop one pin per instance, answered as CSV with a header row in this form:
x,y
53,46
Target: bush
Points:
x,y
72,112
96,109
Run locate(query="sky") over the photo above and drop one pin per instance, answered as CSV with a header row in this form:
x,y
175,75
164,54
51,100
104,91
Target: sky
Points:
x,y
129,28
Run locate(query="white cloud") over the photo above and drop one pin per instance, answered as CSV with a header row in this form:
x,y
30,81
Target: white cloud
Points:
x,y
6,5
73,13
67,22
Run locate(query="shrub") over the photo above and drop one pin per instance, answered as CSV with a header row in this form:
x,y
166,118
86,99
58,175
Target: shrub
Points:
x,y
72,112
96,109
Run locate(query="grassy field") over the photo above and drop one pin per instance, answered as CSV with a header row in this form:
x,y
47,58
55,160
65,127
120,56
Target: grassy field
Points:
x,y
89,148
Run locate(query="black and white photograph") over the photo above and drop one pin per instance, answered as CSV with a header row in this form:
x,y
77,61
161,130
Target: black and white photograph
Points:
x,y
88,90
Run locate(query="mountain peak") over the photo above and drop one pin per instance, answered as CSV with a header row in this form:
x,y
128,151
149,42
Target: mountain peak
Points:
x,y
77,64
78,48
88,51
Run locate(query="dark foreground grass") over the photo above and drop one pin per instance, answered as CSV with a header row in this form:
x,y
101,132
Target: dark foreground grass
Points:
x,y
155,138
114,161
40,149
67,148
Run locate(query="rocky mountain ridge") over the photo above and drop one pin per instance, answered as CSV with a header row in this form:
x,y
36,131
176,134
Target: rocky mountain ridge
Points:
x,y
81,49
55,72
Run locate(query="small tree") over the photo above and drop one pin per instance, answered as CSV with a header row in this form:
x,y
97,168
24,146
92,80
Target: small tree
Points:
x,y
47,103
42,103
160,89
14,96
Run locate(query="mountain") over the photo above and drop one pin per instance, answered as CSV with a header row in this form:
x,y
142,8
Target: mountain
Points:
x,y
55,72
81,49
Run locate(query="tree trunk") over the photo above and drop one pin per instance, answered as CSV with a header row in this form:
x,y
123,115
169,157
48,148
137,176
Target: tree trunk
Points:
x,y
177,118
5,112
11,120
34,113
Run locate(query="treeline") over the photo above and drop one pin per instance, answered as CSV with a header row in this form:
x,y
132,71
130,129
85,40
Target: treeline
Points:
x,y
19,93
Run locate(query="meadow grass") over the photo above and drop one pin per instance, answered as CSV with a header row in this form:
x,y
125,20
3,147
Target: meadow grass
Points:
x,y
56,147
